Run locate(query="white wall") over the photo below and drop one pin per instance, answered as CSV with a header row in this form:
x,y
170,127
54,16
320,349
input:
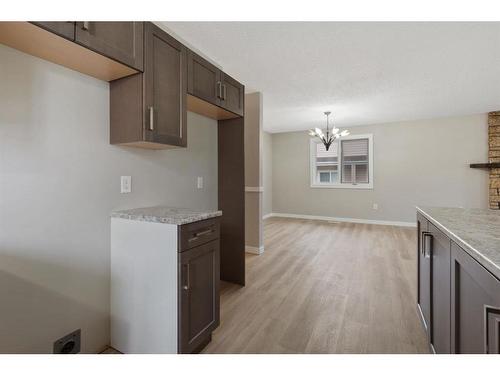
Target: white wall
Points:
x,y
415,163
59,180
267,173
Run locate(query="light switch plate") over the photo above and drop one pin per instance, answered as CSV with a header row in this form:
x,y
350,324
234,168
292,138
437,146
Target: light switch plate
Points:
x,y
200,182
126,184
375,206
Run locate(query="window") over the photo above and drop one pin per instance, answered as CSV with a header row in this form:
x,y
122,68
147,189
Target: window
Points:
x,y
347,164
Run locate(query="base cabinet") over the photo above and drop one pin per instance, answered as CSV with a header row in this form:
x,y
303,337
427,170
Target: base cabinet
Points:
x,y
458,299
434,284
199,279
475,297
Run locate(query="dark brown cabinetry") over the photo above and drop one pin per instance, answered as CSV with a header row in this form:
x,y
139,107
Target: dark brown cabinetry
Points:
x,y
424,272
121,41
439,247
198,284
210,84
459,300
64,29
233,94
149,109
475,306
434,284
204,80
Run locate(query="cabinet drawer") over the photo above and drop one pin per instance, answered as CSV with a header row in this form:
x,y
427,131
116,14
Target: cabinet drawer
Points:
x,y
200,232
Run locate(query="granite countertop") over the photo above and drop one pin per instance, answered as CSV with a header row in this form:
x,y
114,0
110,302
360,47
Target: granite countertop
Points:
x,y
476,231
165,215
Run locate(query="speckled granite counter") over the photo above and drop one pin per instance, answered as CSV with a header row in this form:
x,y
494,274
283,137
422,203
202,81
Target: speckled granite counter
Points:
x,y
165,215
476,231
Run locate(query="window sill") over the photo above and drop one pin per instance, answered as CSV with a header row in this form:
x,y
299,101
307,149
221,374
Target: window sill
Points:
x,y
342,186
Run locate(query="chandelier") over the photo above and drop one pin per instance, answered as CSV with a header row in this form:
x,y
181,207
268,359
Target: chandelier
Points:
x,y
330,136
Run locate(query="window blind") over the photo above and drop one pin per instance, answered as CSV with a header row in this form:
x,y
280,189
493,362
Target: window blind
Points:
x,y
355,147
331,153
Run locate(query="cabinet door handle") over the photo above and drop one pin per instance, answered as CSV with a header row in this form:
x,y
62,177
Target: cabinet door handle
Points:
x,y
199,234
218,90
85,25
188,283
151,118
427,250
224,92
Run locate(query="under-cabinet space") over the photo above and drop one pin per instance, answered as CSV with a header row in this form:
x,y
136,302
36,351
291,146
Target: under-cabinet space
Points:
x,y
51,46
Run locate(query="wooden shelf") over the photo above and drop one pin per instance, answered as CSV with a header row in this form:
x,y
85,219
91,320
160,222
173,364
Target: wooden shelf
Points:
x,y
41,43
485,165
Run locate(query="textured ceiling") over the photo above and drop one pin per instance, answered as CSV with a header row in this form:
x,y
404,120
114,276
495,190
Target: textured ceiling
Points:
x,y
365,73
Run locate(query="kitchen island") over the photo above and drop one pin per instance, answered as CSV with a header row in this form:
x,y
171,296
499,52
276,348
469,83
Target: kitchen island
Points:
x,y
164,279
459,278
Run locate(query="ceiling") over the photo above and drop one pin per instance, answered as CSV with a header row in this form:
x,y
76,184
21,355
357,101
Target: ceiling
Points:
x,y
365,73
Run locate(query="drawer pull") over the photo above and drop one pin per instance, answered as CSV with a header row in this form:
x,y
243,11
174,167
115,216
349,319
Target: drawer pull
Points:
x,y
199,234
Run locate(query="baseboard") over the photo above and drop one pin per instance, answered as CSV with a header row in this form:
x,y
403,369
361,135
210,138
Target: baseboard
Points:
x,y
343,219
267,216
254,249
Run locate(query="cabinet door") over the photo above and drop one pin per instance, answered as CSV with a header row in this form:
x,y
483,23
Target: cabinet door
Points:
x,y
165,79
440,290
233,95
121,41
203,79
64,29
199,295
424,271
475,305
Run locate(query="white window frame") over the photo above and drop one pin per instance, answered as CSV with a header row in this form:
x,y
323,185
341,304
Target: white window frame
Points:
x,y
340,185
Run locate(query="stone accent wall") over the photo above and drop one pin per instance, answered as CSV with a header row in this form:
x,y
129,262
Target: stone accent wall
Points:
x,y
494,157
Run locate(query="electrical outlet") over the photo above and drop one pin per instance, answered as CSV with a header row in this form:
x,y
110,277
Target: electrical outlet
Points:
x,y
126,184
69,344
375,206
200,182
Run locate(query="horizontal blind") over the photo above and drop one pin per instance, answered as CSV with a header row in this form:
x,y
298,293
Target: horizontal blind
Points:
x,y
355,147
331,153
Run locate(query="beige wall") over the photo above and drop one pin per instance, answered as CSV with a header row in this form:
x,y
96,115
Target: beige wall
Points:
x,y
415,163
267,173
253,172
59,180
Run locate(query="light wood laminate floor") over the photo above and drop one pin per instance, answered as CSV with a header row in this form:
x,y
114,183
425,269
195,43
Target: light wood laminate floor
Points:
x,y
325,287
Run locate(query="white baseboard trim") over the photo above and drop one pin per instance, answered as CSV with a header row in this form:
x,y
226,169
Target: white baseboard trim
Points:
x,y
254,249
343,219
267,216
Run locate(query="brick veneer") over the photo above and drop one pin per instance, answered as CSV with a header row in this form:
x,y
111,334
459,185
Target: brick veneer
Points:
x,y
494,157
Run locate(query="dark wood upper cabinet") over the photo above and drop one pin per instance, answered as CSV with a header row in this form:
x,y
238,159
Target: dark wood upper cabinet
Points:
x,y
233,94
121,41
149,109
64,29
475,306
165,80
212,92
204,79
199,296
